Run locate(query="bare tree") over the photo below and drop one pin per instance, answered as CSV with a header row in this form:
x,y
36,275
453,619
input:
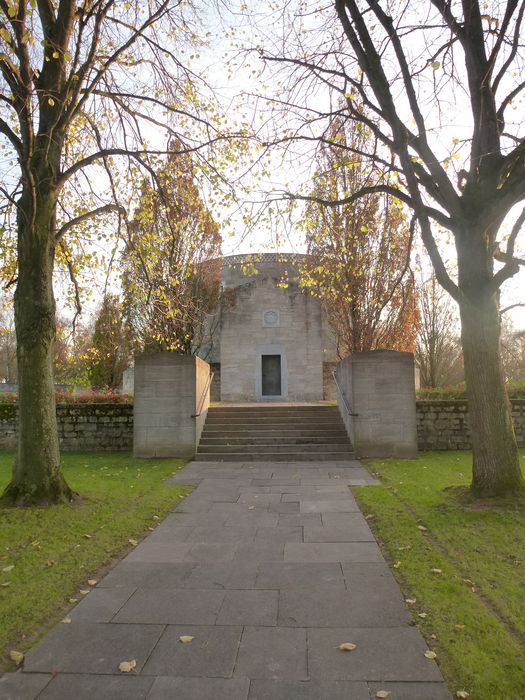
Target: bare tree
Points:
x,y
439,80
438,347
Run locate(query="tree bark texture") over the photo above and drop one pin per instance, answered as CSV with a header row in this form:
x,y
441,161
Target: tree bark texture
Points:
x,y
496,465
37,478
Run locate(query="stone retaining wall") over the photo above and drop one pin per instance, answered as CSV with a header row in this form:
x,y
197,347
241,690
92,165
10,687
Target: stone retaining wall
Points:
x,y
444,425
89,427
441,425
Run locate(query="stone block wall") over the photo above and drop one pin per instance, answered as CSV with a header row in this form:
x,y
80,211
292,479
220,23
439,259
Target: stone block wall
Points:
x,y
379,385
444,424
169,392
87,427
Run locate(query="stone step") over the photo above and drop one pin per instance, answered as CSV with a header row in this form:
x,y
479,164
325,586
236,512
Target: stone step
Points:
x,y
276,410
280,447
277,420
284,440
337,435
275,456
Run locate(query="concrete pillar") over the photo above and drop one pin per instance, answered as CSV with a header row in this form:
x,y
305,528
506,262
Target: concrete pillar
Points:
x,y
170,389
380,390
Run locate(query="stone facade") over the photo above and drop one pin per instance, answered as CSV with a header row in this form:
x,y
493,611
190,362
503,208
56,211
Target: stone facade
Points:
x,y
89,427
444,425
270,336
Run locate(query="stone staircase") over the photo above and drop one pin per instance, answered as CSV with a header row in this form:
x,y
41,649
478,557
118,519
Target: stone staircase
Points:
x,y
274,433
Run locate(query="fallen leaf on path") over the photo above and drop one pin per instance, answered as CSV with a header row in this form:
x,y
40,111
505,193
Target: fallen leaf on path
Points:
x,y
66,621
382,694
84,591
347,646
127,666
92,581
430,654
16,656
186,639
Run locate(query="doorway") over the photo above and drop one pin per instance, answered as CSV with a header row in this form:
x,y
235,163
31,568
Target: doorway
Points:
x,y
271,377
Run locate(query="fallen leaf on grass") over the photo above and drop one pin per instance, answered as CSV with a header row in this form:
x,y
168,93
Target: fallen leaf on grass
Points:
x,y
133,542
370,516
88,537
156,517
347,646
186,639
84,591
430,654
397,565
382,694
5,584
436,571
16,656
73,600
410,601
66,621
50,562
462,694
7,569
422,528
422,615
92,581
127,666
459,627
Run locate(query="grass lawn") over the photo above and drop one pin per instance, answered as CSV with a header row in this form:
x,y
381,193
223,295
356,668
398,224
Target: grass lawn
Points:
x,y
471,608
47,555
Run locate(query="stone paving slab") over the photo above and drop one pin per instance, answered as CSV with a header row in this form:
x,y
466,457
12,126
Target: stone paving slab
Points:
x,y
382,654
269,566
85,647
21,686
88,687
308,690
147,575
200,689
332,551
171,607
211,654
317,608
249,608
272,652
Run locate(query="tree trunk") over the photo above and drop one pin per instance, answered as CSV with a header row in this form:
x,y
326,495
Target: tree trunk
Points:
x,y
496,467
37,478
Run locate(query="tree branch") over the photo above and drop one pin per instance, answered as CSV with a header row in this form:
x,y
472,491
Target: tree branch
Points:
x,y
88,215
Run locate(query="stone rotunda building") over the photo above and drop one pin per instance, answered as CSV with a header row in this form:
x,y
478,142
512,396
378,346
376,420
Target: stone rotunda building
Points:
x,y
270,340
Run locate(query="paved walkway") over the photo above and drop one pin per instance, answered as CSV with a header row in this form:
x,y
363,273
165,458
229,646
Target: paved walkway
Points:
x,y
269,567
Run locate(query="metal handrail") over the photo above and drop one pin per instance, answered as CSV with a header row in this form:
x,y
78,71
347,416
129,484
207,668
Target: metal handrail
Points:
x,y
201,402
343,396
